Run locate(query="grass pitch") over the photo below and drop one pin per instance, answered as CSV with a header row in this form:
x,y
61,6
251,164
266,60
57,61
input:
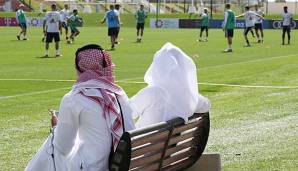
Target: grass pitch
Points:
x,y
253,127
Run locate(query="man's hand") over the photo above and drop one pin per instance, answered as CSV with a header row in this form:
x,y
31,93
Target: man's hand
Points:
x,y
54,120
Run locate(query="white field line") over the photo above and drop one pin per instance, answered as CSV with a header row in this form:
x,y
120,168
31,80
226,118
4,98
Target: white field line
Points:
x,y
246,62
142,82
44,91
33,93
227,85
38,80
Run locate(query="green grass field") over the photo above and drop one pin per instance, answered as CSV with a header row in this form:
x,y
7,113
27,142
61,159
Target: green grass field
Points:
x,y
253,128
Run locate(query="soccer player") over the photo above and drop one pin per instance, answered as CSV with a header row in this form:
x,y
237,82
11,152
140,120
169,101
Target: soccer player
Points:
x,y
64,14
112,19
287,19
117,10
21,19
259,24
249,22
204,24
140,15
73,21
52,21
228,26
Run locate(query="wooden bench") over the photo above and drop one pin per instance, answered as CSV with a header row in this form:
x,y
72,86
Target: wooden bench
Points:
x,y
172,145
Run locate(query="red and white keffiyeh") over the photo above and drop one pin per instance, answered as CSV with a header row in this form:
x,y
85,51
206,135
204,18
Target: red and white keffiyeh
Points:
x,y
96,82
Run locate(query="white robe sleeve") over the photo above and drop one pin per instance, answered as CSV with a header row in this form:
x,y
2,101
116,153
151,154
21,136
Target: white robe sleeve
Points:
x,y
203,104
67,126
149,105
127,113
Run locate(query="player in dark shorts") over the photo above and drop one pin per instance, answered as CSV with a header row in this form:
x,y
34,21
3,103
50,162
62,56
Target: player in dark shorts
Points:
x,y
112,19
286,25
228,26
140,16
259,24
21,19
204,25
52,27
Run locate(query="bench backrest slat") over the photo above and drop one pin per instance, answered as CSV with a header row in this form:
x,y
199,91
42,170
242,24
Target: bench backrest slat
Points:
x,y
149,148
179,165
150,138
179,156
144,160
179,147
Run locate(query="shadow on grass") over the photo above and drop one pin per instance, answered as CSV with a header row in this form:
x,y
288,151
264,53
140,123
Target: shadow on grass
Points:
x,y
49,57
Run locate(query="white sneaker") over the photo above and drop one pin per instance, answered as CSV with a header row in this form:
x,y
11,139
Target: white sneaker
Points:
x,y
228,50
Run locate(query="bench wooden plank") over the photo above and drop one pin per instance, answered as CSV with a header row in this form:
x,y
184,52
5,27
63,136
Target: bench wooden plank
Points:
x,y
144,160
179,165
186,127
150,167
176,139
159,136
178,157
179,147
147,149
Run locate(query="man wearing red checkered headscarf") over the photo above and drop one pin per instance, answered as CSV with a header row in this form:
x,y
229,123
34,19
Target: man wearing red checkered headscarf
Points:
x,y
89,121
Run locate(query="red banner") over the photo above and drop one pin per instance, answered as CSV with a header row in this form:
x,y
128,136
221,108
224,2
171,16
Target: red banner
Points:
x,y
8,21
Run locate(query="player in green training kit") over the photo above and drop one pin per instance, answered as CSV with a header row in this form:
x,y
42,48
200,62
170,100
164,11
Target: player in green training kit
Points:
x,y
204,25
73,21
21,19
140,15
228,26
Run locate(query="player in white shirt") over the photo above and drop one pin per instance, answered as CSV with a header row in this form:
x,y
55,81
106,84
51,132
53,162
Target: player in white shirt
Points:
x,y
52,27
64,14
259,24
117,10
287,19
249,22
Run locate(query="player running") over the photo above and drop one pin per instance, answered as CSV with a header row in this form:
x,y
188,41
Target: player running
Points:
x,y
259,24
73,21
64,14
249,22
21,19
140,16
228,26
52,26
287,19
204,25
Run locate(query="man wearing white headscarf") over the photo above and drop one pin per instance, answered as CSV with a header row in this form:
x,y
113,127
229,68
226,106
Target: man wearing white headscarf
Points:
x,y
92,118
172,89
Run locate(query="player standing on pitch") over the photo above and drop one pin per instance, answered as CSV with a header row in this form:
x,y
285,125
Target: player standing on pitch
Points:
x,y
117,10
259,24
228,26
249,22
112,19
287,19
64,14
21,19
140,15
204,25
52,21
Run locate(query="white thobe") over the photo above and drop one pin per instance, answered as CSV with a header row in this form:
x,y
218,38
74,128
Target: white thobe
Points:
x,y
149,106
82,139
